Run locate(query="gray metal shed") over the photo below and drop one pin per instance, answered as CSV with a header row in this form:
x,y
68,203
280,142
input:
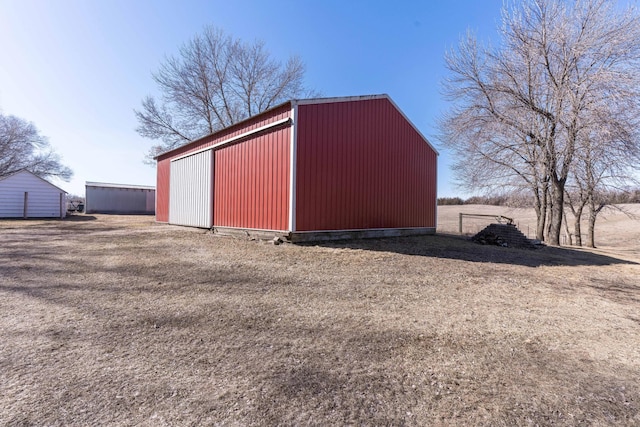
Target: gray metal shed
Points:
x,y
122,199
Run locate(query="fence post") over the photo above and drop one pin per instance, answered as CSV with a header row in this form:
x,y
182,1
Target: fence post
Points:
x,y
460,224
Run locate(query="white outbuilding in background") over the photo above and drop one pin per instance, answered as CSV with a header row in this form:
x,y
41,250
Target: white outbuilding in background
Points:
x,y
120,199
25,195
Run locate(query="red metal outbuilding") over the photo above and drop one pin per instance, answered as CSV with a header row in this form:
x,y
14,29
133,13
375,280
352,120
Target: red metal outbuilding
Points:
x,y
307,169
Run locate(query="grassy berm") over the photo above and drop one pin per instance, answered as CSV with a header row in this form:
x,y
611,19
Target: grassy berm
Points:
x,y
110,320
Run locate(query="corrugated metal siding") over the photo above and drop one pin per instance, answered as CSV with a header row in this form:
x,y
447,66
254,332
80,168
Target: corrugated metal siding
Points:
x,y
119,200
190,200
162,190
163,162
43,200
263,119
361,165
252,182
150,202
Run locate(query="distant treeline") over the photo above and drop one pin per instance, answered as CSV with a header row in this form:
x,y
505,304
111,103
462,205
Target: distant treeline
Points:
x,y
475,200
612,198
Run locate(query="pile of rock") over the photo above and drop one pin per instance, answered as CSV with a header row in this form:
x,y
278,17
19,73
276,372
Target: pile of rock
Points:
x,y
505,235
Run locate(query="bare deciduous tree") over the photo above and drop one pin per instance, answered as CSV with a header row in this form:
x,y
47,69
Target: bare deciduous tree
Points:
x,y
213,82
22,147
606,161
523,109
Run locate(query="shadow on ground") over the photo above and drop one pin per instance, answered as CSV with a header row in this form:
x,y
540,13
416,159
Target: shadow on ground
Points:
x,y
461,248
68,218
80,218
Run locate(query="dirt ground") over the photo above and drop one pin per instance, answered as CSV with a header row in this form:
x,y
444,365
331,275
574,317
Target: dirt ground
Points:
x,y
109,320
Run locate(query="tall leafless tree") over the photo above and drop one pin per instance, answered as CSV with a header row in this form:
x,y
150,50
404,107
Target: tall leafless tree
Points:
x,y
607,160
22,147
521,108
215,81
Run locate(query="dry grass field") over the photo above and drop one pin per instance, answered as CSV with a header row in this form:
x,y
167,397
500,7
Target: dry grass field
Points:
x,y
617,230
109,320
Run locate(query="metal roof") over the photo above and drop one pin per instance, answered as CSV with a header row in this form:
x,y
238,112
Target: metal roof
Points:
x,y
125,186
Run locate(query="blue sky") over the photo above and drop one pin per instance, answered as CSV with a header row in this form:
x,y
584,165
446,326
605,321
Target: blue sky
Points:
x,y
78,68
